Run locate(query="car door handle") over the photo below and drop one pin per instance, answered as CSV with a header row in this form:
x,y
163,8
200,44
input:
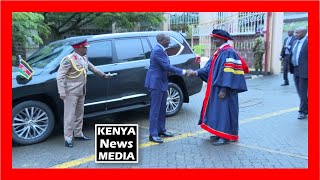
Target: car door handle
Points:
x,y
113,74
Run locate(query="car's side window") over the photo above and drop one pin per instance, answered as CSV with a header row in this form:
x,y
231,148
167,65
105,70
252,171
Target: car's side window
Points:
x,y
129,50
153,41
100,53
174,46
146,48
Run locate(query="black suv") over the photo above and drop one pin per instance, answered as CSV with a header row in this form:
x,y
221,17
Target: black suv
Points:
x,y
36,106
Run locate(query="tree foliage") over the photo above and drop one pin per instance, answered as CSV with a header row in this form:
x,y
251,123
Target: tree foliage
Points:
x,y
61,23
28,25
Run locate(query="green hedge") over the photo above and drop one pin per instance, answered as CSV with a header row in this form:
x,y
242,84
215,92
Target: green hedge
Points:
x,y
199,49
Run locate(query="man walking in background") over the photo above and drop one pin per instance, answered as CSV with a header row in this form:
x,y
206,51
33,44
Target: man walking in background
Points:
x,y
285,55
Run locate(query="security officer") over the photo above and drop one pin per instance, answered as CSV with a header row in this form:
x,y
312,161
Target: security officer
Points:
x,y
71,80
258,51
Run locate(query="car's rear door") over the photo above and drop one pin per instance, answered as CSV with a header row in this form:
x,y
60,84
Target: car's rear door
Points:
x,y
99,54
131,62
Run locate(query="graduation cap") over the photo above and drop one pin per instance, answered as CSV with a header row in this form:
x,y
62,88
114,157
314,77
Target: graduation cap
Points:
x,y
80,43
219,33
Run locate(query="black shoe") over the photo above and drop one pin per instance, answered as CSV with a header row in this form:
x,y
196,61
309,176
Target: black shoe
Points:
x,y
68,143
82,138
302,116
285,84
221,141
214,138
156,139
165,134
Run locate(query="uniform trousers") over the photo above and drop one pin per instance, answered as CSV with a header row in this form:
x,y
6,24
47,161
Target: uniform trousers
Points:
x,y
157,114
258,62
73,116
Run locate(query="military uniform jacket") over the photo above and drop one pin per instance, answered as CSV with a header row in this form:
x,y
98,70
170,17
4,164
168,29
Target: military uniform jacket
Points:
x,y
72,75
259,45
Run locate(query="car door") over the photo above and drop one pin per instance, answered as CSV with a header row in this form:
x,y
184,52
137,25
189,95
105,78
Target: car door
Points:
x,y
99,54
131,65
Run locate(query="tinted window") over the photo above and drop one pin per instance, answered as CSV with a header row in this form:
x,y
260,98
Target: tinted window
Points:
x,y
129,50
153,41
100,53
173,48
47,54
146,48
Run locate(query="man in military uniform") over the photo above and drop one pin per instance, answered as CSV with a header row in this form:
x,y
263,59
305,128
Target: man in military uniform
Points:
x,y
258,51
71,80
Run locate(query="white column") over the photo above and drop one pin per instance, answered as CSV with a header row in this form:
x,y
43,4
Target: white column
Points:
x,y
276,32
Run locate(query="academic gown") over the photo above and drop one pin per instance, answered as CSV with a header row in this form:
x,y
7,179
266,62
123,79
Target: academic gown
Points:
x,y
224,70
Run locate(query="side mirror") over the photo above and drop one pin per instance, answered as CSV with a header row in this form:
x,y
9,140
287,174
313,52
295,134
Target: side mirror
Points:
x,y
22,80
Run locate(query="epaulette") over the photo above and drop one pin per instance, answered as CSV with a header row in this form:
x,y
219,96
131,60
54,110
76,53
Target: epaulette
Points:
x,y
65,60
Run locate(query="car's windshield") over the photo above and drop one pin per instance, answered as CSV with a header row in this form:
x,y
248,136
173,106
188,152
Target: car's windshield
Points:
x,y
46,54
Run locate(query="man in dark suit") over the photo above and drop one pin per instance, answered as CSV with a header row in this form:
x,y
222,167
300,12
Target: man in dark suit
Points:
x,y
157,83
285,55
299,68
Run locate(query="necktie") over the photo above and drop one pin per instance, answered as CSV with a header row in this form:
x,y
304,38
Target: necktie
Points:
x,y
294,59
287,44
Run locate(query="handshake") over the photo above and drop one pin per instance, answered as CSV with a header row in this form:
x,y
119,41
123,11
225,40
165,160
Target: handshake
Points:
x,y
191,72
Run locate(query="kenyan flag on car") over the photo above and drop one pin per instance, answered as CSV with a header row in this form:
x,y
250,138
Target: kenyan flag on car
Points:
x,y
24,69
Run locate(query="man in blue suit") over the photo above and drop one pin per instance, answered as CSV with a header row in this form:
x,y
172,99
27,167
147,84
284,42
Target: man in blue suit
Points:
x,y
299,68
157,83
285,55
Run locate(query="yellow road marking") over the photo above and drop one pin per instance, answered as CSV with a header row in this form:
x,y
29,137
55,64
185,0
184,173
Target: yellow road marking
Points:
x,y
263,149
91,158
271,151
265,116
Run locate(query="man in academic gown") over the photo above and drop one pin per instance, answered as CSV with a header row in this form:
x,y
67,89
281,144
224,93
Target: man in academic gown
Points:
x,y
224,74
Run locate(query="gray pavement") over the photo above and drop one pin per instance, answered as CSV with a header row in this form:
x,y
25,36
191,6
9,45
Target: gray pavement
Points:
x,y
270,134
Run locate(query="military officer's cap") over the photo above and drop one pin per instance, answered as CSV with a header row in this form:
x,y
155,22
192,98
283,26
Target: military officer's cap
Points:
x,y
80,43
259,32
219,33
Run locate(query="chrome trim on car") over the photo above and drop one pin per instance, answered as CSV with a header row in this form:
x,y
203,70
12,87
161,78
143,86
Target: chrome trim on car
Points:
x,y
114,100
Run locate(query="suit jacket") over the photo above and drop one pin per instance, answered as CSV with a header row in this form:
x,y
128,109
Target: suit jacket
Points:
x,y
71,79
283,51
157,75
302,70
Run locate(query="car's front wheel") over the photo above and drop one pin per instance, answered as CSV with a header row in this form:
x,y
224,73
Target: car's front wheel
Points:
x,y
32,122
174,99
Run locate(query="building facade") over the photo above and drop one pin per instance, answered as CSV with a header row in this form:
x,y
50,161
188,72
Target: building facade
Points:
x,y
242,26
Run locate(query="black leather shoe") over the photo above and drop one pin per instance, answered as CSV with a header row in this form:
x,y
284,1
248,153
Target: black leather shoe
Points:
x,y
302,116
155,139
68,143
82,138
285,84
221,141
166,134
214,138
